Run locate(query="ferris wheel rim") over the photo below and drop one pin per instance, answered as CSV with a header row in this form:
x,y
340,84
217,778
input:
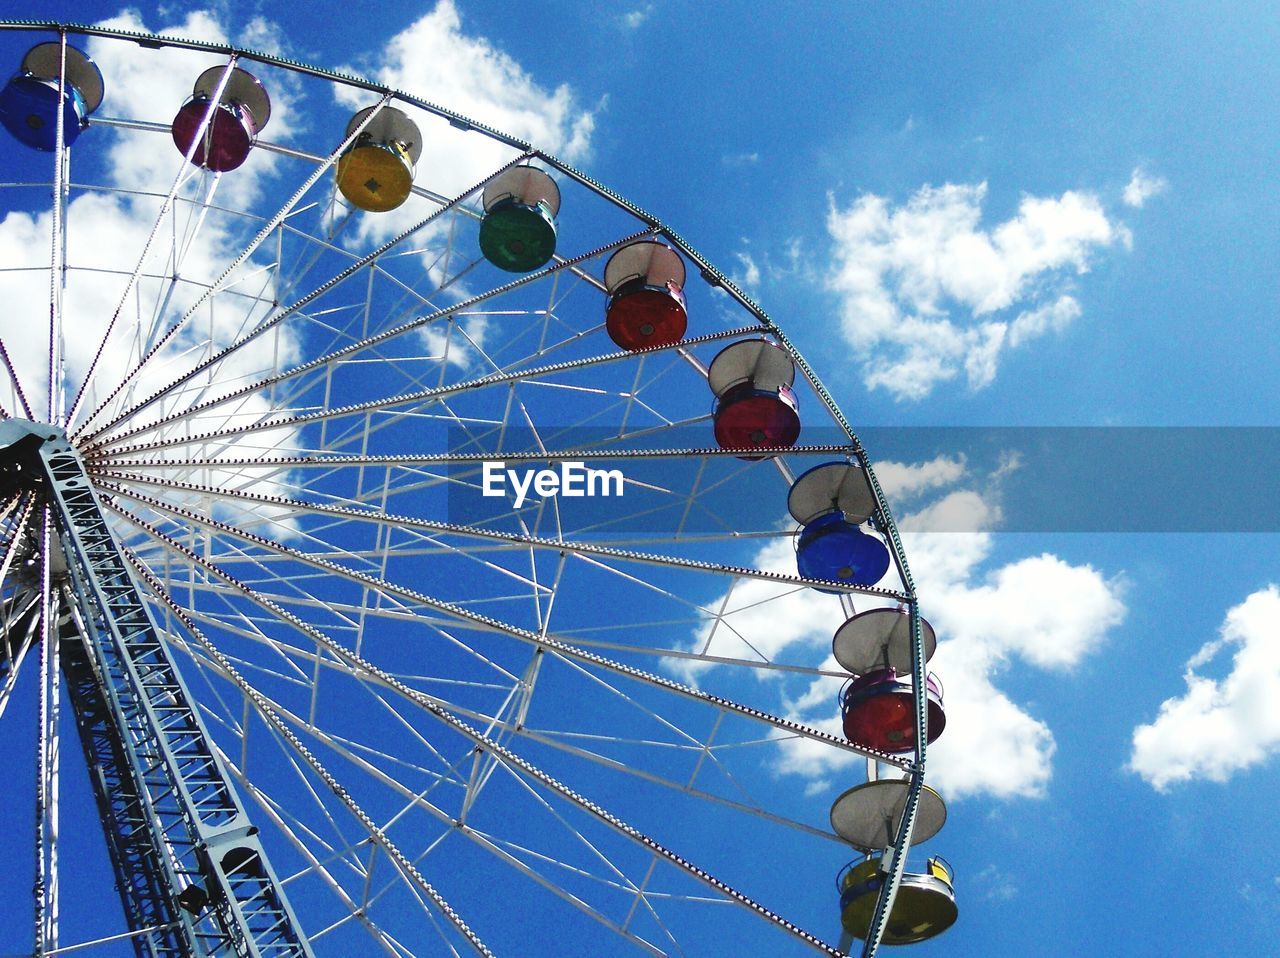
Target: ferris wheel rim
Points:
x,y
653,227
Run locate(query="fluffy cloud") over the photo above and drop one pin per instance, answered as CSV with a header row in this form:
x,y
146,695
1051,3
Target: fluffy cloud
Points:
x,y
961,510
902,479
1141,187
928,293
106,233
1219,727
1039,609
435,60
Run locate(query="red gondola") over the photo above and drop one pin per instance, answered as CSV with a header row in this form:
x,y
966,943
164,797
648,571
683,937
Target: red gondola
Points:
x,y
242,111
646,296
879,711
755,406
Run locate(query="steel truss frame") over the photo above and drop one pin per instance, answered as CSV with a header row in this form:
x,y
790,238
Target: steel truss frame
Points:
x,y
194,878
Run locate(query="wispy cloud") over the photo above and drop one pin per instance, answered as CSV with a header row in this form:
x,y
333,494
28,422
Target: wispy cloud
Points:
x,y
632,19
759,265
1219,727
434,58
928,293
1142,186
1040,609
995,884
747,276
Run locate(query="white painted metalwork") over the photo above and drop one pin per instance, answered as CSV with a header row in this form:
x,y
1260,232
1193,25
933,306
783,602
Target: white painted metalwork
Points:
x,y
456,727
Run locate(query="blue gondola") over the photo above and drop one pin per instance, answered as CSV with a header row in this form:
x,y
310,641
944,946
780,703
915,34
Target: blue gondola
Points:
x,y
30,100
832,547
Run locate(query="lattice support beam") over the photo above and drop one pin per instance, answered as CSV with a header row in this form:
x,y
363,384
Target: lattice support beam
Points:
x,y
184,846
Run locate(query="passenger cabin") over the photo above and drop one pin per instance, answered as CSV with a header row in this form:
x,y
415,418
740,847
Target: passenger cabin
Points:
x,y
646,305
375,173
219,135
29,102
755,405
518,232
878,711
831,502
925,905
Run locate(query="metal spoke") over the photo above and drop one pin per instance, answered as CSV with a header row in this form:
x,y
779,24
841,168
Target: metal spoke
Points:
x,y
260,330
517,764
237,554
545,642
266,712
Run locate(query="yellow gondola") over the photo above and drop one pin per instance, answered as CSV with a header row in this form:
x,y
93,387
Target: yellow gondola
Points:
x,y
376,172
925,905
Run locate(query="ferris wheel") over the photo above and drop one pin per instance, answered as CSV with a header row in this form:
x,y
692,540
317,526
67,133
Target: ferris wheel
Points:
x,y
392,517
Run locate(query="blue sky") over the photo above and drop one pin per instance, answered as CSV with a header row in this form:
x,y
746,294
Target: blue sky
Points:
x,y
1028,214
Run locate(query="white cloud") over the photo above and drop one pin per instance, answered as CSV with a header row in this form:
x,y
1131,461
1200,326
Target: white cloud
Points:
x,y
1219,727
106,233
1052,317
434,59
1142,186
900,479
961,510
1040,609
995,884
263,36
926,289
634,18
749,278
786,263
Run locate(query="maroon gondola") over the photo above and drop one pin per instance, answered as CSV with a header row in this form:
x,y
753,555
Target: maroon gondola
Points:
x,y
242,111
